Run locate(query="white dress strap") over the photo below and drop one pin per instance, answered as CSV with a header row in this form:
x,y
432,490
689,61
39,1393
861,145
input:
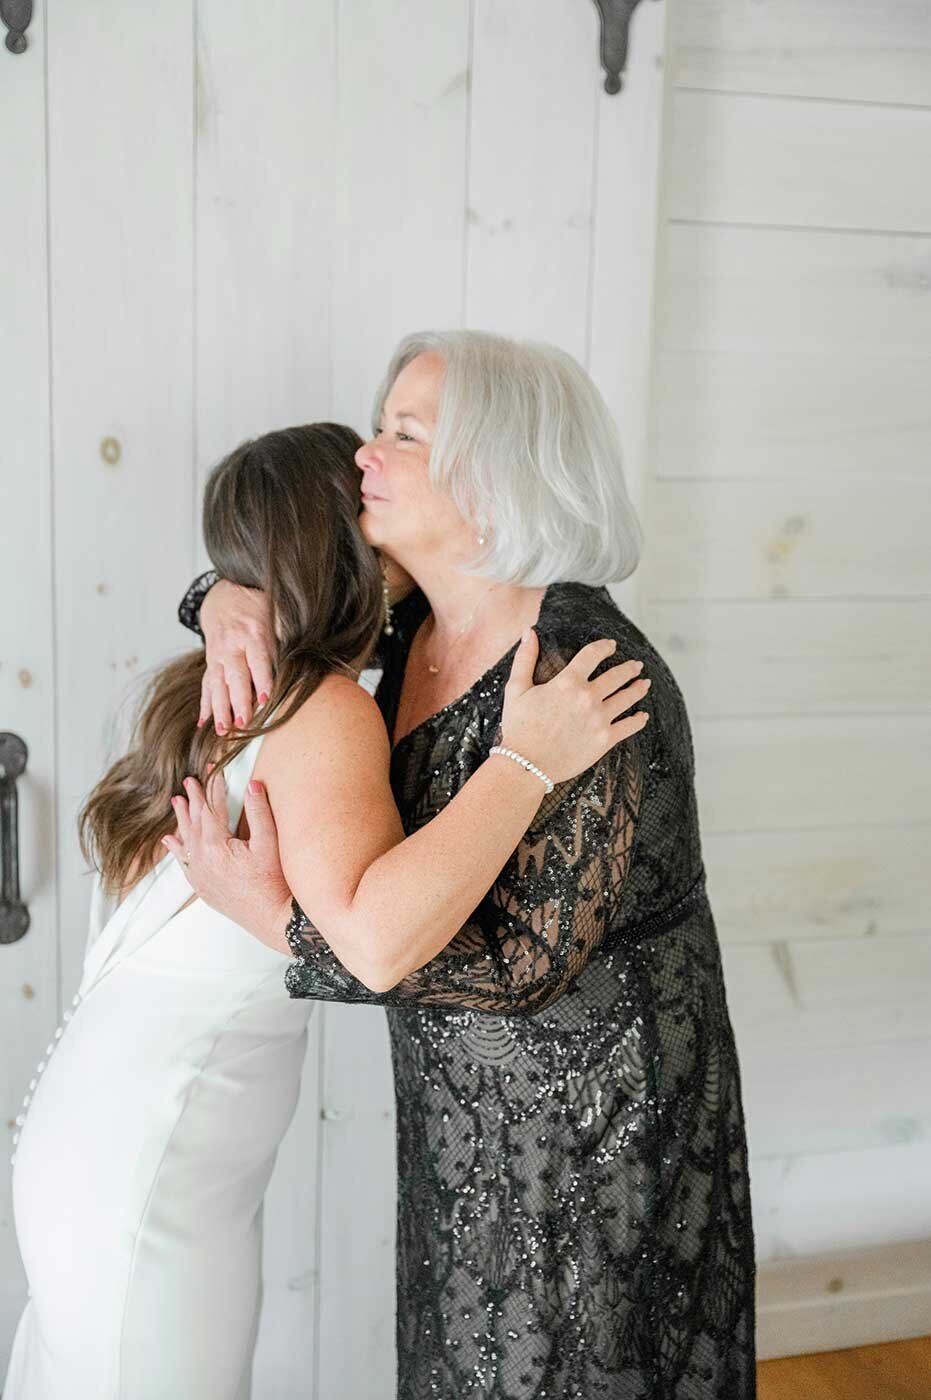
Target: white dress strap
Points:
x,y
163,891
237,775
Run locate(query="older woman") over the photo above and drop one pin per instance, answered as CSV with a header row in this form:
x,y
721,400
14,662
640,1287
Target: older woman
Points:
x,y
573,1214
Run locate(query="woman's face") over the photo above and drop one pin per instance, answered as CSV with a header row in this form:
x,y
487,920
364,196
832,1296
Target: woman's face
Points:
x,y
402,512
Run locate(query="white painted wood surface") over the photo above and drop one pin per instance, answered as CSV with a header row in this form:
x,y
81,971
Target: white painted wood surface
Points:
x,y
844,1298
848,410
750,159
397,201
798,544
625,221
822,992
246,215
264,169
810,1198
29,968
530,197
870,51
120,142
851,881
825,1099
788,584
784,291
805,657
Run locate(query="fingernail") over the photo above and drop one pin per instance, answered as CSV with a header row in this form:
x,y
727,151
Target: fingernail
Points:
x,y
221,728
263,698
240,722
175,800
647,684
201,723
210,767
638,665
254,787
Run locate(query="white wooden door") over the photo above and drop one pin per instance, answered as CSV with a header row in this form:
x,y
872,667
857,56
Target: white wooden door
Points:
x,y
227,219
28,968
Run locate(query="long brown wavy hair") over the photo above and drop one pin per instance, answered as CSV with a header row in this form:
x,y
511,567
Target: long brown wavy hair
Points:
x,y
280,514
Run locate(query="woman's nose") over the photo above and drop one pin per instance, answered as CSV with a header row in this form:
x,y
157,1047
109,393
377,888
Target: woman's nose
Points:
x,y
367,458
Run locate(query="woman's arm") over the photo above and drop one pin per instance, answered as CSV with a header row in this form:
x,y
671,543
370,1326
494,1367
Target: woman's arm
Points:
x,y
387,905
542,919
235,624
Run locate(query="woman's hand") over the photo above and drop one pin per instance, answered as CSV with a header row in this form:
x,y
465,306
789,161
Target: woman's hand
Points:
x,y
241,879
238,629
568,724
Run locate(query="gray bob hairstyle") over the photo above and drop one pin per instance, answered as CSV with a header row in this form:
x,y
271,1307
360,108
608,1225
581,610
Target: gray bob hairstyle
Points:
x,y
526,447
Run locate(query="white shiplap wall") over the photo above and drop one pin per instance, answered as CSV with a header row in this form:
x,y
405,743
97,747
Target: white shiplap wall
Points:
x,y
228,218
788,581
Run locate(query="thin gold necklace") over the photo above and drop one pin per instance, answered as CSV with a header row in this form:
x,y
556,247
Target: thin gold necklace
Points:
x,y
435,670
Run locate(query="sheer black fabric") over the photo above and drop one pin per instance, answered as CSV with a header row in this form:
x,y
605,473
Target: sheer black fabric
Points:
x,y
573,1212
189,607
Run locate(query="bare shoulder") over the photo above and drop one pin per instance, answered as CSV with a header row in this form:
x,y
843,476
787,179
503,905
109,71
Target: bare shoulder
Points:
x,y
340,720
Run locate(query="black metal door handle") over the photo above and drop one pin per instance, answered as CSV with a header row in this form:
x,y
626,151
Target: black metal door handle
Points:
x,y
14,916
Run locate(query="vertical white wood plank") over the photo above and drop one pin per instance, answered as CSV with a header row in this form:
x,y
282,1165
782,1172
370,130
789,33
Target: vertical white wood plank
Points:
x,y
400,190
264,232
285,1364
264,217
121,139
357,1208
531,150
624,253
28,968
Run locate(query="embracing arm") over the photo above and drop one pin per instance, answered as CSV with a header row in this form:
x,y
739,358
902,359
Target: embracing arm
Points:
x,y
541,920
386,905
235,623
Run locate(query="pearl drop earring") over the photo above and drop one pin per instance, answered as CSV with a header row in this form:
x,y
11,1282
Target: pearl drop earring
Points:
x,y
386,600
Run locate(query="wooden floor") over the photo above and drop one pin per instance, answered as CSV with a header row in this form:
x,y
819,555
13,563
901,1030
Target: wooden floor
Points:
x,y
897,1371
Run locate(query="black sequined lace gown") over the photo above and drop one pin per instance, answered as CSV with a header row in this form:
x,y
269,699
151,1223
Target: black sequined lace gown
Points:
x,y
573,1208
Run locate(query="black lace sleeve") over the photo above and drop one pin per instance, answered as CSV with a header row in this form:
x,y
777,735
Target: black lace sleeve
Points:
x,y
189,607
540,923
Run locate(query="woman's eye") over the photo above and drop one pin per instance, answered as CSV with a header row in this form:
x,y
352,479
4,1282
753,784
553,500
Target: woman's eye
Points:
x,y
405,437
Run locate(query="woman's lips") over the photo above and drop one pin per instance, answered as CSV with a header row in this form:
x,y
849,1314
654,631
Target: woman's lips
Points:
x,y
369,496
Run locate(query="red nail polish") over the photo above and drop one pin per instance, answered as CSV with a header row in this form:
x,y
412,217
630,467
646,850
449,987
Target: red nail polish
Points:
x,y
254,787
240,722
221,728
201,723
263,698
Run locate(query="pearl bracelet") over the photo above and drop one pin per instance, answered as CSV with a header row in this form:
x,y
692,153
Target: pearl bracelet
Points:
x,y
525,763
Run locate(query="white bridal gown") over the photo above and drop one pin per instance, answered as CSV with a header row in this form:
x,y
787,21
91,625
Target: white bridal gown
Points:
x,y
146,1149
